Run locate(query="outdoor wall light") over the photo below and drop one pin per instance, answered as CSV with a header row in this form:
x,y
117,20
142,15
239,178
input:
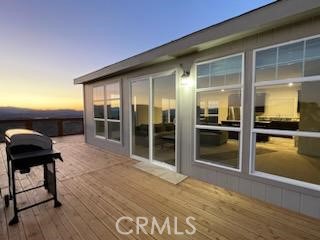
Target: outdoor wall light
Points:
x,y
185,79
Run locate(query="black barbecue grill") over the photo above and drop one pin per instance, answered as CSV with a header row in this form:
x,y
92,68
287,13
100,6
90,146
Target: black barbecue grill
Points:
x,y
26,149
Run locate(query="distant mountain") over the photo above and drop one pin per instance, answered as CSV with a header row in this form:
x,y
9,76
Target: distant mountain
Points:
x,y
25,113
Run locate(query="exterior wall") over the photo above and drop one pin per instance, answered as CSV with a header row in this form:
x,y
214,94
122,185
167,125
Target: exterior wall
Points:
x,y
292,197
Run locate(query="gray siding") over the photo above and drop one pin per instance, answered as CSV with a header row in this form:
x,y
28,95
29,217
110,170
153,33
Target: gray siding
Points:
x,y
305,201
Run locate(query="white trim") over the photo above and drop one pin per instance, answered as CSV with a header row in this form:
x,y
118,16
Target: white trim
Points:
x,y
150,118
131,81
100,137
252,117
304,56
152,160
113,120
222,128
203,162
153,75
149,78
286,43
287,133
239,87
227,87
114,141
254,131
99,119
241,113
163,74
286,180
130,119
287,80
277,64
104,112
138,158
119,81
217,59
177,121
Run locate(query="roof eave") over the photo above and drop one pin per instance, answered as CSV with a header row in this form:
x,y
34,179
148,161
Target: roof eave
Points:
x,y
255,21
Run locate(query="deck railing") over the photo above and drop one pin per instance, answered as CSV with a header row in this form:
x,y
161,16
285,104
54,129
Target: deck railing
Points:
x,y
53,127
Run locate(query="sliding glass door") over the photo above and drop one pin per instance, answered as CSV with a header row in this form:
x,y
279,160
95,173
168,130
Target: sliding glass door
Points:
x,y
164,119
153,119
140,118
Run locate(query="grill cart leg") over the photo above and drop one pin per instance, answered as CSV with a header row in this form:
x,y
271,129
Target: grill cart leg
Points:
x,y
45,176
6,200
52,182
8,172
15,219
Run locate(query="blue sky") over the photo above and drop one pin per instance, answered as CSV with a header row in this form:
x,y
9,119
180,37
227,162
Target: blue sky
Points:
x,y
45,44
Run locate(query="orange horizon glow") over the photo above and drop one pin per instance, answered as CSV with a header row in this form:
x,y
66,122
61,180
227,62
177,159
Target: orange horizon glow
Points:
x,y
32,91
43,103
50,101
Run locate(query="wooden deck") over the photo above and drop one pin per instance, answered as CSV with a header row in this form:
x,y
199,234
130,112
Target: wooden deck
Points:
x,y
97,187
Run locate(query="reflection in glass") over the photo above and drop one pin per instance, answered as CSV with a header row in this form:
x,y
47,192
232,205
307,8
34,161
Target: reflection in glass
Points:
x,y
113,90
293,107
226,71
291,157
164,117
98,93
266,61
218,70
219,107
98,109
290,62
140,118
312,58
99,128
113,109
218,147
233,70
203,76
114,131
295,60
219,73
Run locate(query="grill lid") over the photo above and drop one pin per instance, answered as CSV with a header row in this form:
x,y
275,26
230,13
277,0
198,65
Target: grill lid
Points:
x,y
25,137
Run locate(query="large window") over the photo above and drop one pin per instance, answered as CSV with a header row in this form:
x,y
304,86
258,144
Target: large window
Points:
x,y
113,111
218,112
98,111
107,111
286,127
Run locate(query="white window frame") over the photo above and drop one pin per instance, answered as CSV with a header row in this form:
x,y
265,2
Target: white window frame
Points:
x,y
234,129
150,78
254,131
99,119
107,120
267,82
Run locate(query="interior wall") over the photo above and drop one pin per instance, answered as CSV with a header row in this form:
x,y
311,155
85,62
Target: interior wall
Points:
x,y
282,103
222,104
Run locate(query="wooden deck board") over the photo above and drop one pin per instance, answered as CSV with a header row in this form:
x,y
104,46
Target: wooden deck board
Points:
x,y
97,187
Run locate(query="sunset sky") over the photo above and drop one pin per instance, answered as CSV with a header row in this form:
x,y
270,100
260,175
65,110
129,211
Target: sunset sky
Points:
x,y
45,44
